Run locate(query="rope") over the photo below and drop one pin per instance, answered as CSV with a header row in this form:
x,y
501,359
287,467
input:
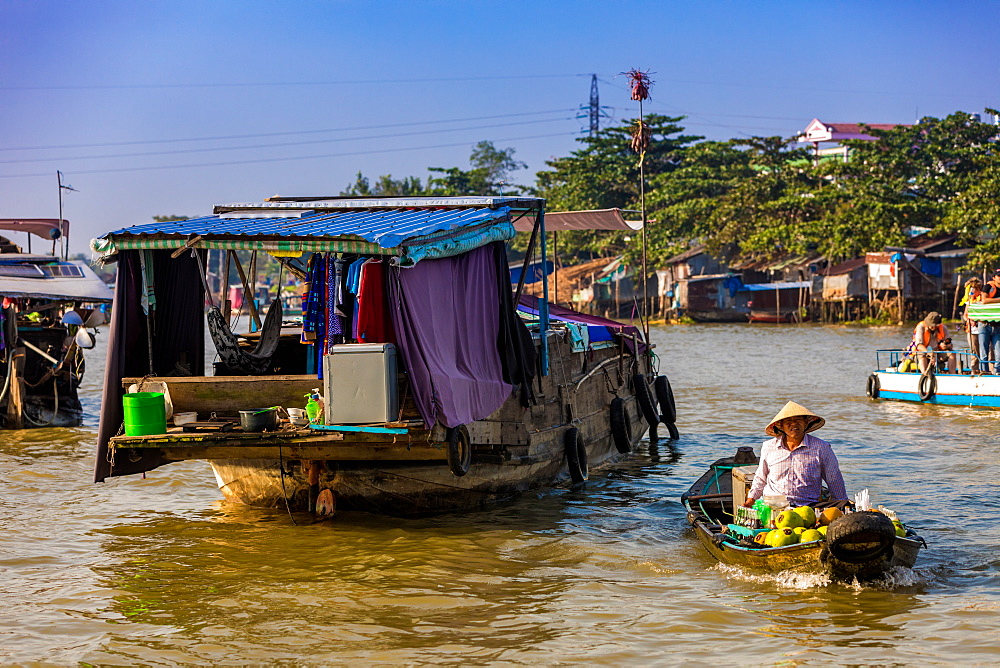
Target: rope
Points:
x,y
6,382
55,408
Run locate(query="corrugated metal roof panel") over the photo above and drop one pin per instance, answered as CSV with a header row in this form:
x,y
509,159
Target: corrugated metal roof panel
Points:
x,y
386,227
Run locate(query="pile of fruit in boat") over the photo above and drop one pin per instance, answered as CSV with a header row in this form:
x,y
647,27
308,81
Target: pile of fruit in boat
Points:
x,y
805,525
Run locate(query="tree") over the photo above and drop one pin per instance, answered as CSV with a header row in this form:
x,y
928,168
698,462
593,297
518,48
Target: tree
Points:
x,y
385,186
925,175
490,169
748,197
604,174
682,201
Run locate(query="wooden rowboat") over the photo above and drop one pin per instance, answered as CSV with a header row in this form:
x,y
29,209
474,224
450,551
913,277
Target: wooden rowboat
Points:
x,y
862,550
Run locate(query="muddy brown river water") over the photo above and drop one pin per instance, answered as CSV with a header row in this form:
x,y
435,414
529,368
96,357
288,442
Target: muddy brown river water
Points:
x,y
159,571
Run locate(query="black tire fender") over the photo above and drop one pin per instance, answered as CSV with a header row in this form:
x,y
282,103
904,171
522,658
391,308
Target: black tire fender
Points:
x,y
873,386
645,399
459,450
927,385
576,455
674,434
665,397
621,427
857,538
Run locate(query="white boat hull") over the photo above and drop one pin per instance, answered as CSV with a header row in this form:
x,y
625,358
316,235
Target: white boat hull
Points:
x,y
951,389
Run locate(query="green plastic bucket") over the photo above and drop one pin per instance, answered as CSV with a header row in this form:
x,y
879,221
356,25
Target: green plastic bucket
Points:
x,y
145,413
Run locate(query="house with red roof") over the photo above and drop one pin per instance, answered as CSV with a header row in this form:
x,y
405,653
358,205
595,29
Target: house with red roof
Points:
x,y
819,132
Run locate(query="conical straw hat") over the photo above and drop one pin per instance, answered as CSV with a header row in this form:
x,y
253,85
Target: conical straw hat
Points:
x,y
792,409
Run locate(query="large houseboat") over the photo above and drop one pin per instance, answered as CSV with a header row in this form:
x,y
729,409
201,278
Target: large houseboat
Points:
x,y
443,385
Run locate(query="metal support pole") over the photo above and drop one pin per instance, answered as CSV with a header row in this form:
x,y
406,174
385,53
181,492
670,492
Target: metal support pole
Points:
x,y
543,306
59,181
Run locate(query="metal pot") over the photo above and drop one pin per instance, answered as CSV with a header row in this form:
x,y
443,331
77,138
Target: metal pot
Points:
x,y
259,419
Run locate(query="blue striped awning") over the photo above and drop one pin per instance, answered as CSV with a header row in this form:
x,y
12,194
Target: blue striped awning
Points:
x,y
386,227
398,227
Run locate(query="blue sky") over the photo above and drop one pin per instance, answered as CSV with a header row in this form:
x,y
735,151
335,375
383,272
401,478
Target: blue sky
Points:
x,y
155,108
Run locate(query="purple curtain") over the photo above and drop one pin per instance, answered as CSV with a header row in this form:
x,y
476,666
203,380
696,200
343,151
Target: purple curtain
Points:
x,y
447,321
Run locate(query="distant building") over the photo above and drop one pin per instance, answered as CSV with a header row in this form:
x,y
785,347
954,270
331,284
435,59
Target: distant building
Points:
x,y
818,132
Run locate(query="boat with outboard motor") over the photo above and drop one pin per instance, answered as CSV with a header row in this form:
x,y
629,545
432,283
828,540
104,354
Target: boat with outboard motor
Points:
x,y
445,387
857,545
50,308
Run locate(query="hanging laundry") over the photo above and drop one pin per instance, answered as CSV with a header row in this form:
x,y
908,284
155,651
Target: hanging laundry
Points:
x,y
312,305
374,323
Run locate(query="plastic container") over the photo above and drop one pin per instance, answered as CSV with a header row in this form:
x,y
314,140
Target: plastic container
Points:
x,y
145,413
259,419
297,416
185,418
778,502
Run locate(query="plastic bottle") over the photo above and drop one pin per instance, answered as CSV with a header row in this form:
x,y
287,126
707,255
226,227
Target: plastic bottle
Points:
x,y
314,409
763,512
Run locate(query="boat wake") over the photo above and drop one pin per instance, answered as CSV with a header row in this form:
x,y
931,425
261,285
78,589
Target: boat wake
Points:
x,y
895,578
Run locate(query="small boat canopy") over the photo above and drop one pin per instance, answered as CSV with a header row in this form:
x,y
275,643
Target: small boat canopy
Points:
x,y
46,228
408,228
987,312
44,277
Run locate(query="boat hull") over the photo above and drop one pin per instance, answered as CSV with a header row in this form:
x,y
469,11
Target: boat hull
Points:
x,y
951,389
411,489
806,557
405,470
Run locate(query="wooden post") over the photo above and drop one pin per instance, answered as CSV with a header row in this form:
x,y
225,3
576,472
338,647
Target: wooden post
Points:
x,y
954,302
311,469
555,264
224,287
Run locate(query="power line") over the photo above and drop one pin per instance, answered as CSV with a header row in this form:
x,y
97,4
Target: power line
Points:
x,y
283,144
288,84
285,159
260,135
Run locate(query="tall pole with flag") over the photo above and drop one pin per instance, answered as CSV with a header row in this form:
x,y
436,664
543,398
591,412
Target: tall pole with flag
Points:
x,y
639,83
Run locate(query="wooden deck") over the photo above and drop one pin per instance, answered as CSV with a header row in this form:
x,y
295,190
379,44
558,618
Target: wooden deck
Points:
x,y
304,443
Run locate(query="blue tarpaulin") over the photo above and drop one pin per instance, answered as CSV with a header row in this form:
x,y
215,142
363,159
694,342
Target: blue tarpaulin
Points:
x,y
788,285
535,273
930,266
734,284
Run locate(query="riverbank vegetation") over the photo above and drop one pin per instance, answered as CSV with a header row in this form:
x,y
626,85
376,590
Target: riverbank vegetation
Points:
x,y
756,197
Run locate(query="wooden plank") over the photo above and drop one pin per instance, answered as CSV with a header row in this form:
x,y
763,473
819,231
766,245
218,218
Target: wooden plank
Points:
x,y
227,395
358,428
349,452
486,432
235,437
